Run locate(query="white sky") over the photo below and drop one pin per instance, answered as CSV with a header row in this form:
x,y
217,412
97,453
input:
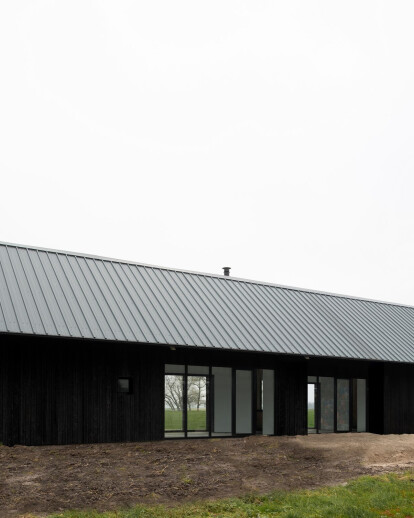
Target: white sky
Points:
x,y
275,137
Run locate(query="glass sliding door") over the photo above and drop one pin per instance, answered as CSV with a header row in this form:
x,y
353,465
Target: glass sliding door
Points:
x,y
259,401
243,402
222,400
327,404
336,404
198,400
312,404
342,405
268,401
205,401
174,425
197,422
359,403
186,401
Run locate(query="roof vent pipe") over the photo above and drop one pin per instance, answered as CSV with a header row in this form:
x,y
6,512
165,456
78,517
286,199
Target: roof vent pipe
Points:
x,y
226,271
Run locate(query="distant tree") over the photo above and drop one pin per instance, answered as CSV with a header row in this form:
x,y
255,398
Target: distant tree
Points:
x,y
174,392
196,391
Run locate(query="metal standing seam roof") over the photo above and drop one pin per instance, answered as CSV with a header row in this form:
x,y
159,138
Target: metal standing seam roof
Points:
x,y
54,293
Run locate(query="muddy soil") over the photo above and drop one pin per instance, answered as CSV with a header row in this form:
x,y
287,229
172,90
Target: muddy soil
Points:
x,y
42,480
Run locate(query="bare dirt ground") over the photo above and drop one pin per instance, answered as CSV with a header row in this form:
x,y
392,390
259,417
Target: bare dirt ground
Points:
x,y
42,480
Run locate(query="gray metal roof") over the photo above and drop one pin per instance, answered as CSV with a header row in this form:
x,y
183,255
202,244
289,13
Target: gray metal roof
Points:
x,y
55,293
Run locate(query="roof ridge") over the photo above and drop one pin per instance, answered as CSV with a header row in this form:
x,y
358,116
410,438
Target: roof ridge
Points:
x,y
204,274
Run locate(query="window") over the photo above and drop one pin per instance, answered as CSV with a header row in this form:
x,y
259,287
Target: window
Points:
x,y
336,404
342,405
207,401
124,386
186,393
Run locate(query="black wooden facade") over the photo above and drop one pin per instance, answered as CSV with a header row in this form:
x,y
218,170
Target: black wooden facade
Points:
x,y
63,391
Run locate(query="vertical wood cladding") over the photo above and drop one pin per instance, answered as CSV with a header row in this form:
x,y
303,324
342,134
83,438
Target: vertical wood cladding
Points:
x,y
291,398
376,398
399,398
65,392
10,381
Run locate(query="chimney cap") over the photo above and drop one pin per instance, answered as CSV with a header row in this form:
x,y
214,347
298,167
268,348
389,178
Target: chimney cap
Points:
x,y
226,270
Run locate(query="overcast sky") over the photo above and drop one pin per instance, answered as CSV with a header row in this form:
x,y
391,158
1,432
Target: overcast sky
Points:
x,y
272,137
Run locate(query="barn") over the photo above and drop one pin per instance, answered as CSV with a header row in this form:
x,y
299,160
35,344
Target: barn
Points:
x,y
101,350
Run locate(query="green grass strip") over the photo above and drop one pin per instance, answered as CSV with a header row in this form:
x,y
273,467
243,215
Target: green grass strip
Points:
x,y
311,418
366,497
197,420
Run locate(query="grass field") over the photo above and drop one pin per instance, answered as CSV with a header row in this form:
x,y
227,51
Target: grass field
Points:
x,y
196,420
366,497
311,418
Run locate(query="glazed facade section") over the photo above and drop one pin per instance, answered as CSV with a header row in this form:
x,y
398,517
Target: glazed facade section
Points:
x,y
337,404
211,401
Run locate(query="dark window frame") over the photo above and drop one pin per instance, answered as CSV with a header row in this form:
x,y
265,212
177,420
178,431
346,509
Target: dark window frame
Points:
x,y
129,390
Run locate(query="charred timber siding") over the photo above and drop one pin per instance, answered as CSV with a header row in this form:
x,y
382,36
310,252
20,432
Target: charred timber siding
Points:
x,y
291,399
66,393
398,398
